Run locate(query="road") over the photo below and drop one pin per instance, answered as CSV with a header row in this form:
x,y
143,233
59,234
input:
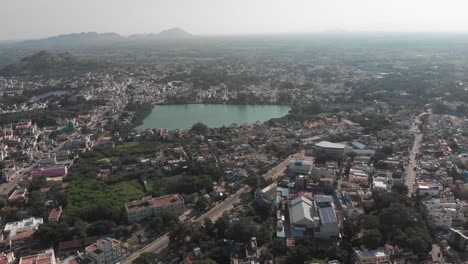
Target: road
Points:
x,y
278,170
162,243
410,175
214,213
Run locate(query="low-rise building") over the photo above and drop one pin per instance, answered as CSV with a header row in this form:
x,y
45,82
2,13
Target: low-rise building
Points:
x,y
300,166
429,188
105,251
377,256
148,207
50,172
23,229
48,257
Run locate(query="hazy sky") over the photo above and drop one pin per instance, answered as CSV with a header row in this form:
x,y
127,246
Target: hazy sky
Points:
x,y
21,19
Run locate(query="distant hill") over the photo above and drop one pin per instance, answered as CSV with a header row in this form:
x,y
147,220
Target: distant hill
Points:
x,y
49,64
173,33
84,38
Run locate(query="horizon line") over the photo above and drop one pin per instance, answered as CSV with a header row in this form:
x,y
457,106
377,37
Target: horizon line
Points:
x,y
334,32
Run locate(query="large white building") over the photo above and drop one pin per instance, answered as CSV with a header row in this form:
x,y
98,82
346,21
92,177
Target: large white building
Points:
x,y
317,217
149,207
331,148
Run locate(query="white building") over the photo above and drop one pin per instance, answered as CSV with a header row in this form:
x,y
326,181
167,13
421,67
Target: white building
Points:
x,y
429,188
149,207
14,228
441,214
105,251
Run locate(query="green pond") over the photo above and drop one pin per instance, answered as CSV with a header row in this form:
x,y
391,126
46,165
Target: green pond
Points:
x,y
213,115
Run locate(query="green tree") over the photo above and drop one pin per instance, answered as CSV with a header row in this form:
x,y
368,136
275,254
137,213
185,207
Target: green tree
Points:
x,y
201,204
38,206
38,183
80,227
369,222
199,128
278,247
146,258
10,214
209,227
372,238
400,188
51,232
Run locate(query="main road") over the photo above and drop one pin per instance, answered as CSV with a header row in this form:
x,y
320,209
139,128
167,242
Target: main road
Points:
x,y
162,243
410,174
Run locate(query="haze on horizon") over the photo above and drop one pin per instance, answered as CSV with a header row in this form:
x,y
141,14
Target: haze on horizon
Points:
x,y
29,19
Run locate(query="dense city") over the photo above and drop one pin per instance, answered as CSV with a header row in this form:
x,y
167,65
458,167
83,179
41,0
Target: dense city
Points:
x,y
368,166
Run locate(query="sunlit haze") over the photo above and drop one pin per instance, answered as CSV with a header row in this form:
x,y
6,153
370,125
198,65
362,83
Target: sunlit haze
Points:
x,y
25,19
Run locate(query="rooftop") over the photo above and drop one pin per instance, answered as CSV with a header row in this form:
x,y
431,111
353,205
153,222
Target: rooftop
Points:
x,y
48,257
153,202
330,145
327,215
379,252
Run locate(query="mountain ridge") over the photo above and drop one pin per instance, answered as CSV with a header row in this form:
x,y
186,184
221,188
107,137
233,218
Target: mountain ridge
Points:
x,y
102,38
49,64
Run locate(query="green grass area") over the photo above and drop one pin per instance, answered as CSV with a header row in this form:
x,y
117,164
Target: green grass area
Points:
x,y
128,146
85,193
103,161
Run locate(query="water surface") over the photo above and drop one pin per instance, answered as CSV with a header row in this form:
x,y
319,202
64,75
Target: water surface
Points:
x,y
213,115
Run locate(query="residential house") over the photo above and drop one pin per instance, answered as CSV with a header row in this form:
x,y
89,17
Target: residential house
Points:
x,y
48,257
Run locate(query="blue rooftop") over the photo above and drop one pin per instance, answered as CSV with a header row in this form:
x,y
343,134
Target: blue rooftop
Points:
x,y
284,191
297,233
327,215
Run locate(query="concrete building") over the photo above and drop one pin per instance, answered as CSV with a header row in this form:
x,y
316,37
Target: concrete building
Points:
x,y
105,251
23,227
317,218
300,166
429,188
377,256
149,207
330,148
441,214
48,257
